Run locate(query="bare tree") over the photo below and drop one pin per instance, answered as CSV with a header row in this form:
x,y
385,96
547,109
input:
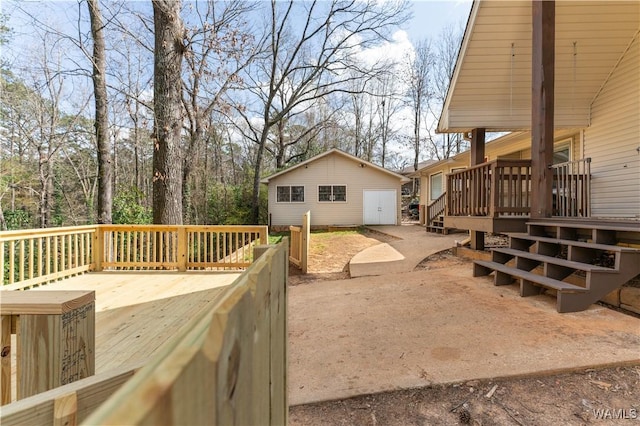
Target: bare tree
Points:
x,y
105,166
311,59
388,106
219,46
446,53
419,72
167,94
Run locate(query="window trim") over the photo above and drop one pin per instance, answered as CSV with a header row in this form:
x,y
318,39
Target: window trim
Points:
x,y
564,144
431,176
346,199
290,194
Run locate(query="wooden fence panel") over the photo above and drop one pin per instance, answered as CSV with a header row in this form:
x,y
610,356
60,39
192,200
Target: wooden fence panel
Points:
x,y
90,393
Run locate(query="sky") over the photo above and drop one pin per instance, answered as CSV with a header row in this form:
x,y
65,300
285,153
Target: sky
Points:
x,y
431,16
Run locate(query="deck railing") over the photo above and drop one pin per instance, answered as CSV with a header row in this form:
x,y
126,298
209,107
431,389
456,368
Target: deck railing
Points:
x,y
35,256
498,188
572,188
227,366
38,256
435,209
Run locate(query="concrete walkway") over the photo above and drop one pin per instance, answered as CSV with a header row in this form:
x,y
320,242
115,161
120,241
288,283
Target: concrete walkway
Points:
x,y
410,329
412,245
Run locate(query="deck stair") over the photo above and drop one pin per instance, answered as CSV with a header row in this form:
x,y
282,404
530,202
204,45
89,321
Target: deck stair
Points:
x,y
580,261
437,226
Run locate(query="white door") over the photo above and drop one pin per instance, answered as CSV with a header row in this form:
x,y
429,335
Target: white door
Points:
x,y
380,207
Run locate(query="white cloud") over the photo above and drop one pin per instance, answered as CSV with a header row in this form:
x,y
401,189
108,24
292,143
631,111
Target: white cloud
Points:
x,y
394,50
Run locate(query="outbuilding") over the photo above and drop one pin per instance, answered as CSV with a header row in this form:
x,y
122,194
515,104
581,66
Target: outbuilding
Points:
x,y
338,189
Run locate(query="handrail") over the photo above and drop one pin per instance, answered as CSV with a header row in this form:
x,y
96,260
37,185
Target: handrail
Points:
x,y
572,188
436,208
39,256
497,188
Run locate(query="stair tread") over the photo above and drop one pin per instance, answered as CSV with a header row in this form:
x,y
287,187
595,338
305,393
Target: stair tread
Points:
x,y
530,276
554,260
597,246
603,225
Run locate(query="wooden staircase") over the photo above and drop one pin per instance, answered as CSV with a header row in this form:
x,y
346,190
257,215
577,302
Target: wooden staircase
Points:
x,y
437,225
434,215
581,261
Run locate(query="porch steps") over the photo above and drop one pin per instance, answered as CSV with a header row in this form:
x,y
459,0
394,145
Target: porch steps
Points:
x,y
581,262
437,226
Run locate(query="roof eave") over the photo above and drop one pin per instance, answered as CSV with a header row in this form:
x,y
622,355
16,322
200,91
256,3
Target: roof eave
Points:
x,y
442,126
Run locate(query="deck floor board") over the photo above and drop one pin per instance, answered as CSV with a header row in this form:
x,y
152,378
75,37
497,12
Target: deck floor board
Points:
x,y
136,312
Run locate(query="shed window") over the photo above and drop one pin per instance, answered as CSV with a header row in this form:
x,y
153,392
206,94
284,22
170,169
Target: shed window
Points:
x,y
436,185
332,193
290,194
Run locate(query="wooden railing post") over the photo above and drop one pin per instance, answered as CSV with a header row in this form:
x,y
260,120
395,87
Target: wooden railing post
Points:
x,y
55,336
98,248
306,229
183,248
5,367
264,235
494,191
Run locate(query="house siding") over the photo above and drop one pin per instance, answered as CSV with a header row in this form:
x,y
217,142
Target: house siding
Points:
x,y
332,169
613,139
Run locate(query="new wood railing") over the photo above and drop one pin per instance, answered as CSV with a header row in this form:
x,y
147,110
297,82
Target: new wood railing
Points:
x,y
175,247
36,256
40,256
497,188
226,367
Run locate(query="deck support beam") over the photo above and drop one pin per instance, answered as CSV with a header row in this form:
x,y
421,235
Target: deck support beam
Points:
x,y
477,157
542,107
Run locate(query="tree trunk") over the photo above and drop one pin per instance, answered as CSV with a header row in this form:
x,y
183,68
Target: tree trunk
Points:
x,y
257,169
105,170
167,158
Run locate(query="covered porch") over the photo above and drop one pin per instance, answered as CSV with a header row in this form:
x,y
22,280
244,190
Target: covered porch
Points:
x,y
545,67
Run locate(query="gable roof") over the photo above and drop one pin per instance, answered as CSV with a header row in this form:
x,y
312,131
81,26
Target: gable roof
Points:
x,y
335,151
491,84
409,171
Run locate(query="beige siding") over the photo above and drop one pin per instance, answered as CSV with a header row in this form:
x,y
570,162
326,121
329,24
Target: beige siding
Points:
x,y
613,139
333,169
491,87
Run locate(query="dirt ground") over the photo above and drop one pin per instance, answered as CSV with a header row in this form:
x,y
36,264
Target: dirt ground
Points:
x,y
606,396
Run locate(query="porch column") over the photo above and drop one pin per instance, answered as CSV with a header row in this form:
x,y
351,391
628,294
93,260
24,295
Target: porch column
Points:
x,y
542,108
477,157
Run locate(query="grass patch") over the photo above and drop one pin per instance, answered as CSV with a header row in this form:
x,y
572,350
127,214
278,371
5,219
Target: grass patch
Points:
x,y
276,237
320,234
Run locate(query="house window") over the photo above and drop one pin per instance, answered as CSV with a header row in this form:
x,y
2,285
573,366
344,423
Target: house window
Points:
x,y
436,185
562,154
332,193
290,194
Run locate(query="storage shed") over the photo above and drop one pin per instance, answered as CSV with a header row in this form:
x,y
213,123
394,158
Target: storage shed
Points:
x,y
339,189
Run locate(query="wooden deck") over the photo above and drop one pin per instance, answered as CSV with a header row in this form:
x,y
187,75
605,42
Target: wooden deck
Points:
x,y
136,312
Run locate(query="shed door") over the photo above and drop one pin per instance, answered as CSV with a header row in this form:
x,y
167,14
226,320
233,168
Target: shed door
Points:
x,y
380,207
